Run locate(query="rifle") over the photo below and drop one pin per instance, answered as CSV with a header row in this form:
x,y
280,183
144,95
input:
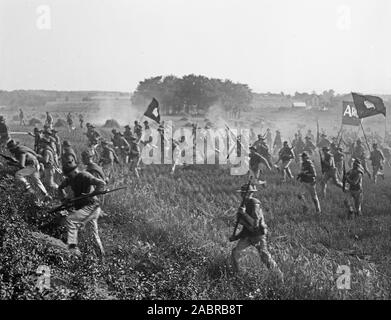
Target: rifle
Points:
x,y
344,178
11,161
241,205
71,202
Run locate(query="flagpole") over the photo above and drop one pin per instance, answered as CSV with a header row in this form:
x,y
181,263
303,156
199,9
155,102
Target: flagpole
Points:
x,y
366,140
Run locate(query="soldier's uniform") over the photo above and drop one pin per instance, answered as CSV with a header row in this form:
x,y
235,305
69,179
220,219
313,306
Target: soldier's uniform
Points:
x,y
324,142
37,136
377,159
309,146
255,165
253,233
29,164
49,120
286,156
81,120
339,158
108,158
354,179
329,171
86,211
93,137
70,122
120,144
92,167
262,148
359,154
49,163
134,156
138,130
4,135
308,177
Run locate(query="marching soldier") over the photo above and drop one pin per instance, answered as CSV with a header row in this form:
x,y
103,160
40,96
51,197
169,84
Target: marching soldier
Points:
x,y
339,158
359,153
134,156
308,177
37,136
21,118
377,159
70,122
324,142
91,167
286,155
86,211
329,171
49,120
255,165
262,148
254,231
81,120
309,146
354,179
29,167
49,162
138,130
108,158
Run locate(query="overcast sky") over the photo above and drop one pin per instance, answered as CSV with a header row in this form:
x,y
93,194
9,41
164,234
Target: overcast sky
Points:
x,y
272,45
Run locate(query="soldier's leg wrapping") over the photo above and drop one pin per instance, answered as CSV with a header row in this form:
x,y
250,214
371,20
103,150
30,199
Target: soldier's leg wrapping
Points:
x,y
264,253
73,220
235,256
20,176
93,225
357,199
335,178
314,195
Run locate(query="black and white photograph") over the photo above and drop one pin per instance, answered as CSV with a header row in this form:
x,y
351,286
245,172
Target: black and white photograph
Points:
x,y
205,154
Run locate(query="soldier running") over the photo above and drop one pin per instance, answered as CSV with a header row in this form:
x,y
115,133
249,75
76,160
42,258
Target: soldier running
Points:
x,y
307,176
354,179
134,156
329,171
254,231
86,211
262,148
255,165
108,158
29,167
359,153
377,159
285,155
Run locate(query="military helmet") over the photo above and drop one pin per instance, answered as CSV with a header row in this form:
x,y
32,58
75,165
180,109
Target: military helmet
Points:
x,y
251,188
69,164
285,143
304,155
11,144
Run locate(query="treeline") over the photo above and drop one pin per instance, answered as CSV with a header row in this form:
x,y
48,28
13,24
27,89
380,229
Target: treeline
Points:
x,y
193,94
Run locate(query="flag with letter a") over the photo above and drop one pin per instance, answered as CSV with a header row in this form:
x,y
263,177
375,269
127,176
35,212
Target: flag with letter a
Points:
x,y
153,111
368,106
349,114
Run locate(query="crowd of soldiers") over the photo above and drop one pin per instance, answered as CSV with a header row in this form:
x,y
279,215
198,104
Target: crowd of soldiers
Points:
x,y
51,158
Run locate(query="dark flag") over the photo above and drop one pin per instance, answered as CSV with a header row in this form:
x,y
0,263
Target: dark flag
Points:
x,y
153,111
368,106
349,114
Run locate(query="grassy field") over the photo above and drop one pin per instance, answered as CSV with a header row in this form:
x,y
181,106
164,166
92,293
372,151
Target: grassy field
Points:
x,y
166,237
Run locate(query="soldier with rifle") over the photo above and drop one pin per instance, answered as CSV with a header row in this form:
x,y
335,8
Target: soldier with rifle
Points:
x,y
377,159
307,176
329,171
354,179
255,162
26,160
108,158
36,134
262,149
83,211
286,155
254,230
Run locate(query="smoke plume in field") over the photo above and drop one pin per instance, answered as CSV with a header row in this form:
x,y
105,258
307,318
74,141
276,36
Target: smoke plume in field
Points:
x,y
120,110
216,114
